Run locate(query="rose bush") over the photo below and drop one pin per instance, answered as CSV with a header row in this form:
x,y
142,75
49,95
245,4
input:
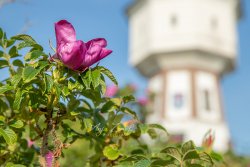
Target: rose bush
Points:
x,y
46,104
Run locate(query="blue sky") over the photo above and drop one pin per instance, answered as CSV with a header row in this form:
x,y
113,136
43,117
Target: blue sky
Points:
x,y
106,18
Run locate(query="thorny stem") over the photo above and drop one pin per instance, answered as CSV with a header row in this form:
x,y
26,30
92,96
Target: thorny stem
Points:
x,y
49,128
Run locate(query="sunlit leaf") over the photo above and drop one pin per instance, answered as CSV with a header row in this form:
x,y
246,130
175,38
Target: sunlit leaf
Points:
x,y
33,55
96,77
29,73
18,99
24,37
17,77
188,146
129,111
157,126
109,74
17,63
111,152
5,88
9,135
13,52
173,152
17,124
143,128
3,63
143,163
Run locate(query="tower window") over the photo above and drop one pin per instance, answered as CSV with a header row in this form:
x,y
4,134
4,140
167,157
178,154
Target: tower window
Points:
x,y
173,20
178,101
207,102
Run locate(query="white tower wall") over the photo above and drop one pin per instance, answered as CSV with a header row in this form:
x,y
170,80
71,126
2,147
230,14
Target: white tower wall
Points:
x,y
184,47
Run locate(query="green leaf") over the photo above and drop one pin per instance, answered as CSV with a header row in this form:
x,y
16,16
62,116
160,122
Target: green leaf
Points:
x,y
1,53
96,76
188,146
9,164
18,99
27,41
48,82
194,165
3,63
24,37
88,124
216,156
17,165
2,118
42,65
29,73
157,126
87,78
1,33
58,90
22,45
9,135
117,120
18,63
17,124
10,42
191,154
72,84
33,55
152,133
109,74
109,106
205,158
65,91
103,84
5,88
143,128
17,78
173,152
13,52
129,111
143,163
111,152
129,98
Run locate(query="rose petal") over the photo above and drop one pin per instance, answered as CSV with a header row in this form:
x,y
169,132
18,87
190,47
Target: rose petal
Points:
x,y
97,41
104,53
65,32
92,55
72,54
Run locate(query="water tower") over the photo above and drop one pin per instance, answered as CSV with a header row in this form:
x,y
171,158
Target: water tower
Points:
x,y
185,47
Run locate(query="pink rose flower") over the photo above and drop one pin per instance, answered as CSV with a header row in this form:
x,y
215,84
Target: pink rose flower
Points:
x,y
143,101
49,159
111,91
75,54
